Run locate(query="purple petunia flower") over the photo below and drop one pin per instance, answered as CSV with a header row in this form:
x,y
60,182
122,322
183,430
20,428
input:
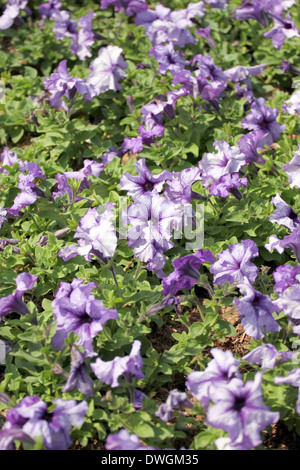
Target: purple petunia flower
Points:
x,y
125,441
107,69
283,28
250,143
226,160
221,4
96,234
251,9
11,12
14,302
84,37
293,378
256,311
288,301
145,182
109,372
234,263
47,9
64,26
263,118
240,411
168,58
284,214
175,400
153,220
284,277
292,169
31,418
76,309
78,377
186,272
61,84
8,158
290,241
29,192
221,369
267,356
228,184
129,7
179,186
90,168
292,105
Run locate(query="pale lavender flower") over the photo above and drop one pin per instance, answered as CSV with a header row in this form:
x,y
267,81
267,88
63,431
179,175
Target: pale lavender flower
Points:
x,y
220,370
47,9
267,356
284,214
96,234
290,241
11,12
3,216
256,311
109,372
149,130
133,145
8,158
251,9
145,182
91,168
288,300
14,302
153,220
284,277
186,272
205,33
292,169
76,309
129,7
221,4
292,105
263,118
107,69
84,37
226,160
250,143
61,84
30,419
293,379
168,58
234,263
228,184
283,28
175,400
179,186
125,441
240,411
79,377
241,73
64,26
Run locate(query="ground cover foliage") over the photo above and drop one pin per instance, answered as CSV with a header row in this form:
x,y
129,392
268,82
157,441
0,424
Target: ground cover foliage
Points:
x,y
128,129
